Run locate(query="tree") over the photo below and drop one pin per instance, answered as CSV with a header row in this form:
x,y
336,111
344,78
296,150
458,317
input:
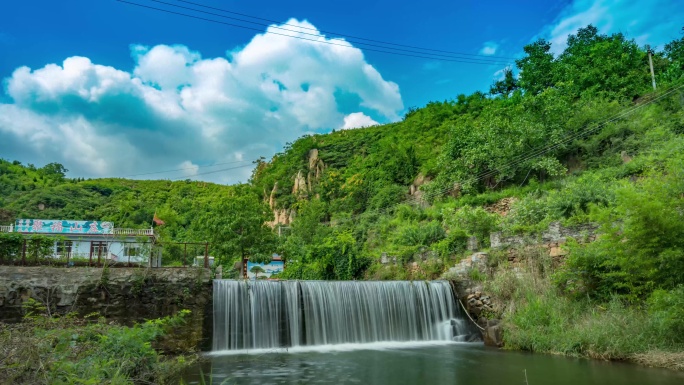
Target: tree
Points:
x,y
537,68
594,63
236,226
256,270
674,51
505,86
53,170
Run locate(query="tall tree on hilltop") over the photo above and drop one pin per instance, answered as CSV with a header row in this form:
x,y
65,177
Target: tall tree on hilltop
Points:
x,y
505,86
537,68
593,63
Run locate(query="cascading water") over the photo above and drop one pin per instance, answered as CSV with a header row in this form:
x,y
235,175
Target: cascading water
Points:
x,y
276,314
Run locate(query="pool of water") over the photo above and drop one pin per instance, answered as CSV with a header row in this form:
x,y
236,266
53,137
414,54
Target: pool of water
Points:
x,y
398,364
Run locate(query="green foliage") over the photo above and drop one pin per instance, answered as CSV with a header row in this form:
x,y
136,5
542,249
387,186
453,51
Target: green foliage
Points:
x,y
473,221
571,201
68,350
337,257
236,227
11,245
641,248
421,234
457,155
667,310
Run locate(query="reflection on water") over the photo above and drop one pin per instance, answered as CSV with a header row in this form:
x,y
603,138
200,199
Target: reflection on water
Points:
x,y
439,364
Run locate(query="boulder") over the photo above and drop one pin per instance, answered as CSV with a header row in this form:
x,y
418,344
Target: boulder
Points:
x,y
493,333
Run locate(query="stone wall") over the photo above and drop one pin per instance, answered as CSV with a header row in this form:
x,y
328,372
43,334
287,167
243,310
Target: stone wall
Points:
x,y
126,295
555,233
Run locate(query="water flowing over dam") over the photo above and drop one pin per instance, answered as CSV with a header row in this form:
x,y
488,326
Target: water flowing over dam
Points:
x,y
284,314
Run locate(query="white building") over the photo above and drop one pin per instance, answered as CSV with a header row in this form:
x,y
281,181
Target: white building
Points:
x,y
92,241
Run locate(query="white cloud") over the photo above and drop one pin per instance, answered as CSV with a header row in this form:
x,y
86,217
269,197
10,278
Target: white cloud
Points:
x,y
189,169
644,21
489,48
357,120
501,74
176,107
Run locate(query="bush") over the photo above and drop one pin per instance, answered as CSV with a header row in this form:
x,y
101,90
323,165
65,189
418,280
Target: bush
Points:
x,y
641,248
68,350
474,221
423,234
667,311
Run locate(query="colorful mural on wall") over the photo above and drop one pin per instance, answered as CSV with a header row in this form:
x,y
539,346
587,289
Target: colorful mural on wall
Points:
x,y
52,226
264,270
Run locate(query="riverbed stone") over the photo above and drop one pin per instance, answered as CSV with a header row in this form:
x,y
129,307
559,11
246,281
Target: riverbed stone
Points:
x,y
493,333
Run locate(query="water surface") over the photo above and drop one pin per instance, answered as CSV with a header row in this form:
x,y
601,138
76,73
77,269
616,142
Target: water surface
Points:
x,y
397,364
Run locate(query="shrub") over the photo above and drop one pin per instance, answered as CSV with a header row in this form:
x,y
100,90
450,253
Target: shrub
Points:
x,y
423,234
667,311
68,350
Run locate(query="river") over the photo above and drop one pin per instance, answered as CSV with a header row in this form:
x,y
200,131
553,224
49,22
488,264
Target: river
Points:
x,y
395,332
449,363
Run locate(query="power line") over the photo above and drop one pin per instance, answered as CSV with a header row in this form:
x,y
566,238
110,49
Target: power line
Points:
x,y
317,35
518,160
464,60
186,168
346,35
214,172
539,151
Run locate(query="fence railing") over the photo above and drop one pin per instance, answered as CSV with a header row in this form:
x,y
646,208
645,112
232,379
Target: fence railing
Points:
x,y
133,232
141,232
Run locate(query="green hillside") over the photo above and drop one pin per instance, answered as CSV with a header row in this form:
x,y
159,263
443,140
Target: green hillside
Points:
x,y
578,138
556,137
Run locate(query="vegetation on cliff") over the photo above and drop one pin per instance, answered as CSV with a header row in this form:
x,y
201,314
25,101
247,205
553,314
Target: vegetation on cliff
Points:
x,y
579,137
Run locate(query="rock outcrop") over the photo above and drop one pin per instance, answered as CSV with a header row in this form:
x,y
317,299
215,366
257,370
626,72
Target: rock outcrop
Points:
x,y
493,333
502,207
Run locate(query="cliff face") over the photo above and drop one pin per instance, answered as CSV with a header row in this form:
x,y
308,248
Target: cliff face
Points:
x,y
304,184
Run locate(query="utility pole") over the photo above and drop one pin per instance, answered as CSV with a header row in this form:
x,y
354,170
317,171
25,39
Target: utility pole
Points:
x,y
650,62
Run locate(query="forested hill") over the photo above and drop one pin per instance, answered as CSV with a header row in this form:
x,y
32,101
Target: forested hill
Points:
x,y
559,137
596,77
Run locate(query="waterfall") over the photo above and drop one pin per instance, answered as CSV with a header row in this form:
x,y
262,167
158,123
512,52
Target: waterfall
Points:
x,y
275,314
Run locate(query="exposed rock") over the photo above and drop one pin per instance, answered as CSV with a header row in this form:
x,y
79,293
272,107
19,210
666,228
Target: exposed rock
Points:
x,y
455,190
300,188
461,271
316,167
271,198
557,252
414,188
493,333
420,180
473,243
502,207
556,233
282,217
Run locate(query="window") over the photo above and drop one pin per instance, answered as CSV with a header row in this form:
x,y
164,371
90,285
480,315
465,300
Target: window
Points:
x,y
64,247
99,248
132,251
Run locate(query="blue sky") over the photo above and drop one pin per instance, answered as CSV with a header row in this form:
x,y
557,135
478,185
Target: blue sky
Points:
x,y
111,89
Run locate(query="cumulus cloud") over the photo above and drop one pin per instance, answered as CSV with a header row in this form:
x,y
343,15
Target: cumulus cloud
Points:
x,y
176,107
489,48
643,21
357,120
189,169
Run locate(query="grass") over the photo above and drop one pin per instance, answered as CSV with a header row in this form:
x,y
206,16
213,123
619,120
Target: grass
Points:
x,y
538,318
71,350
